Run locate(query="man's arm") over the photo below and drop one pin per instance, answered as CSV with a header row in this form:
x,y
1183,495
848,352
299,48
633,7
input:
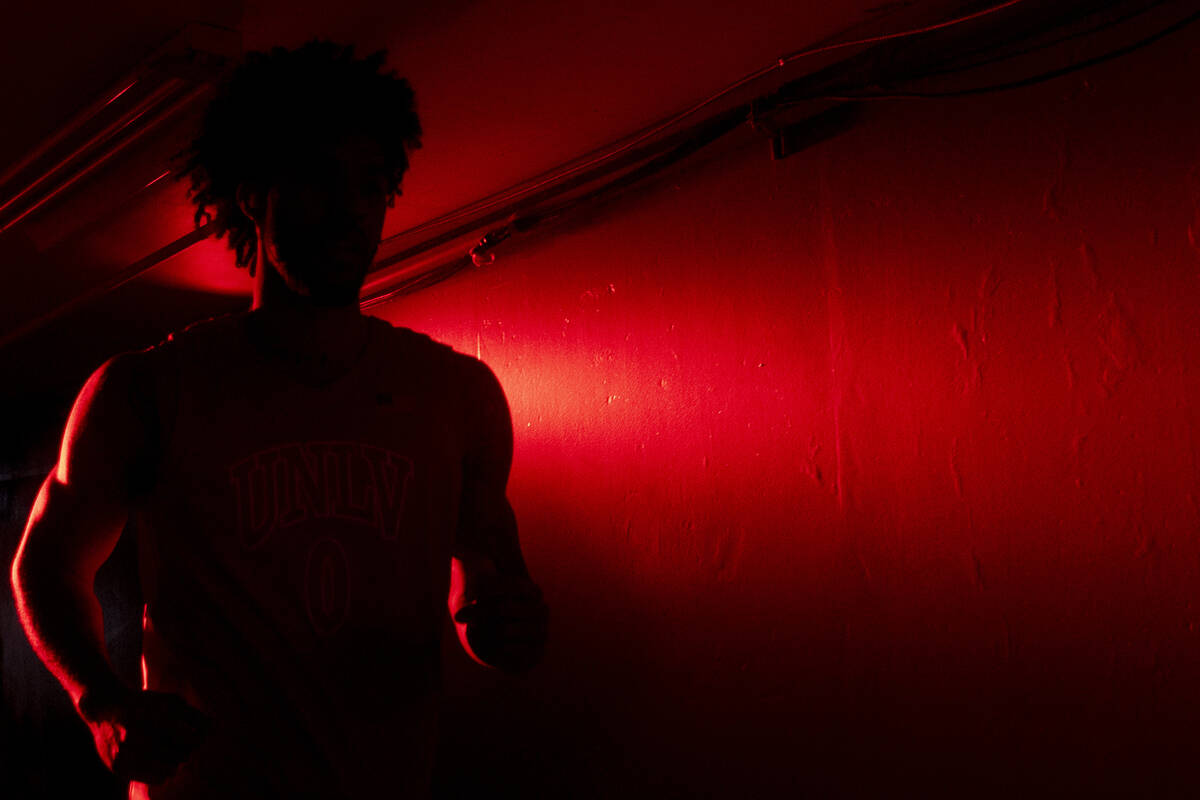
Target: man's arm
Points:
x,y
498,610
75,523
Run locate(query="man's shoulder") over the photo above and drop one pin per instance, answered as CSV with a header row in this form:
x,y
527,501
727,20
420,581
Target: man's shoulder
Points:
x,y
402,337
203,333
458,376
148,368
225,332
408,342
226,326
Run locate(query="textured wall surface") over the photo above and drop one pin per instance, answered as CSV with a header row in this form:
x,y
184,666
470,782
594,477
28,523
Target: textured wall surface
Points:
x,y
870,472
872,465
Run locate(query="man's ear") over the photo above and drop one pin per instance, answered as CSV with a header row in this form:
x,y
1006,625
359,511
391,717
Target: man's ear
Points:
x,y
252,201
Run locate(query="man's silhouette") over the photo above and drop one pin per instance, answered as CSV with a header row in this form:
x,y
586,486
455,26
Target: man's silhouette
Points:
x,y
309,484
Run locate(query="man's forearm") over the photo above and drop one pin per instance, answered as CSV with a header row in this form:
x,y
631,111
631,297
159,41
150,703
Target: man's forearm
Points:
x,y
490,543
62,618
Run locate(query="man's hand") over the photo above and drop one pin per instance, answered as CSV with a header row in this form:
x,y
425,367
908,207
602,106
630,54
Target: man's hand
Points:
x,y
144,736
503,620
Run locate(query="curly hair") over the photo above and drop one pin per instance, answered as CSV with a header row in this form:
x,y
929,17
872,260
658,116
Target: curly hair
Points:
x,y
275,109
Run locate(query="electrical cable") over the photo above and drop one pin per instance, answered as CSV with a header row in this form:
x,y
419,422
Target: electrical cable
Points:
x,y
705,133
661,160
655,128
1017,84
708,132
471,226
1112,23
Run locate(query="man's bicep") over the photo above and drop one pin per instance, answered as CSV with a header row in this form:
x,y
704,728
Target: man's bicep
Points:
x,y
83,504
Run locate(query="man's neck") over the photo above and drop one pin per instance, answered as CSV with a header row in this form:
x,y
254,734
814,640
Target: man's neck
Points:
x,y
294,323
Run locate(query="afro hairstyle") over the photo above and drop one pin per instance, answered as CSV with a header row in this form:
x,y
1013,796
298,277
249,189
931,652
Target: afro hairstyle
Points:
x,y
278,107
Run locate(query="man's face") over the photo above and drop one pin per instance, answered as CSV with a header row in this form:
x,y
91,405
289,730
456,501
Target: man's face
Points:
x,y
322,225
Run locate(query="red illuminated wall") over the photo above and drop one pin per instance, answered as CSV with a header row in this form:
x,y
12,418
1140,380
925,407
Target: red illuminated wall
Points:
x,y
872,465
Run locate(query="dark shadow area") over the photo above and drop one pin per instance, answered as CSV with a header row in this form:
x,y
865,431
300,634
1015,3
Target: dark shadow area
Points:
x,y
48,752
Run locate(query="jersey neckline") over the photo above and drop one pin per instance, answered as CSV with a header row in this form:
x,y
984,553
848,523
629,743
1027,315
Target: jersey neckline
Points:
x,y
313,376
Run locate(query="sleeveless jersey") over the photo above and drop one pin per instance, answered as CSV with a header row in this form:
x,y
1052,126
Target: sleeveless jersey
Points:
x,y
294,545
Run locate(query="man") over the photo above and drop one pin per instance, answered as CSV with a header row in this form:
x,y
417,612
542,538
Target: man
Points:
x,y
309,484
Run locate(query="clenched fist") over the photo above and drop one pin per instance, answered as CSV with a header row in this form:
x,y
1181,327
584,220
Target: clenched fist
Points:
x,y
503,620
142,735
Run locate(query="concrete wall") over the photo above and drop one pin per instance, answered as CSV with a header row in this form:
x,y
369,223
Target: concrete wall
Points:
x,y
868,472
872,467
